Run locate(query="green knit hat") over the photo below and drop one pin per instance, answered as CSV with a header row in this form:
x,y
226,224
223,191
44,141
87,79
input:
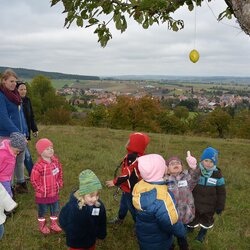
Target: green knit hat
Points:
x,y
89,182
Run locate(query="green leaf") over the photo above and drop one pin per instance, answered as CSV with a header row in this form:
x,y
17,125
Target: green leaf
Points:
x,y
118,24
145,24
79,21
227,13
68,5
84,15
140,19
124,24
93,21
191,6
151,21
107,7
69,19
175,27
54,2
117,17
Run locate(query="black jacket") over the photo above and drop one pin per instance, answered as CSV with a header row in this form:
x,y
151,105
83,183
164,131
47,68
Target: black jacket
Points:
x,y
210,193
29,115
82,226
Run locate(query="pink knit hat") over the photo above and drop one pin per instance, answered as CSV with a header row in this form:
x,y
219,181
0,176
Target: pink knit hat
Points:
x,y
42,144
152,167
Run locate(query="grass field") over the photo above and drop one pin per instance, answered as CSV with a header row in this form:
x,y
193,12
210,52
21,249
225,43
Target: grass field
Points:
x,y
101,150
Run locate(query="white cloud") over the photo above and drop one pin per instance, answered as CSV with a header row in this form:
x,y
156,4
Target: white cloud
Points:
x,y
32,36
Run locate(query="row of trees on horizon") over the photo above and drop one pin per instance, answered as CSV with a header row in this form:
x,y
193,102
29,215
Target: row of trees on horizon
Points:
x,y
145,114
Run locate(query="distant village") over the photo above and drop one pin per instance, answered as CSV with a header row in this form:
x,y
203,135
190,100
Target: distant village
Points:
x,y
79,95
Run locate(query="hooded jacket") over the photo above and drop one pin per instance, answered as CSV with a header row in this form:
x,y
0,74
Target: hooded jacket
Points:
x,y
157,218
47,179
130,174
210,193
6,203
82,226
11,117
182,186
7,161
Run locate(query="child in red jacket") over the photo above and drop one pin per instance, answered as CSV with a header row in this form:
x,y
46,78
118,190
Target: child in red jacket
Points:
x,y
46,178
130,175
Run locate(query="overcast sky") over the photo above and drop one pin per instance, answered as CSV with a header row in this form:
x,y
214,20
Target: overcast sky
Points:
x,y
32,36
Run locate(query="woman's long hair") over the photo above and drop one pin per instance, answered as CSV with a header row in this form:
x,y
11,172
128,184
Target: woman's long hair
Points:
x,y
6,74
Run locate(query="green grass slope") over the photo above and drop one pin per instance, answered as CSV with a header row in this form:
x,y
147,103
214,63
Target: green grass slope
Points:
x,y
101,150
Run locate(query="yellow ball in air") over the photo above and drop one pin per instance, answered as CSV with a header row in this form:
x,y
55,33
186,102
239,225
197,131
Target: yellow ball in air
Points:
x,y
194,56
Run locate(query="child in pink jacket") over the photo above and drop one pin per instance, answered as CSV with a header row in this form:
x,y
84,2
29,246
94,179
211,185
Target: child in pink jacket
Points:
x,y
9,149
46,179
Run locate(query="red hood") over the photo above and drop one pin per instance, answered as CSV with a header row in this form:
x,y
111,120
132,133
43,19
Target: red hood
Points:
x,y
137,143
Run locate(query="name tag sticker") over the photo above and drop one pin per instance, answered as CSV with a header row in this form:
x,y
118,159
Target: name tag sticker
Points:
x,y
55,171
211,181
95,211
182,183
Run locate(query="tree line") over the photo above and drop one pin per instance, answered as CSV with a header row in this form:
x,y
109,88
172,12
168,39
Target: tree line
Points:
x,y
145,114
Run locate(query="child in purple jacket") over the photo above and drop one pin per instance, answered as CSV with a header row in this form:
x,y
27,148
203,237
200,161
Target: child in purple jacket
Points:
x,y
181,183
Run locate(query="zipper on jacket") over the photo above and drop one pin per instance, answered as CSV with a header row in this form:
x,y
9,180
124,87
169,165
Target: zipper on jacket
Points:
x,y
44,180
20,120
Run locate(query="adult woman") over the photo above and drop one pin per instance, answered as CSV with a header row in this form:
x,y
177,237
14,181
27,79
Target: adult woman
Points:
x,y
30,120
12,120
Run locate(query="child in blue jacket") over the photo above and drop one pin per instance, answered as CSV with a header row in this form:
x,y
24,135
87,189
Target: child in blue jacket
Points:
x,y
156,218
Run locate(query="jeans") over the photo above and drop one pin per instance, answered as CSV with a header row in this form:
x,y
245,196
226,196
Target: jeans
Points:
x,y
125,205
28,160
43,209
19,168
1,231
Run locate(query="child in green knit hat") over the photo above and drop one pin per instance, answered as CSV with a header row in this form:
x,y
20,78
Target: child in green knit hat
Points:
x,y
83,218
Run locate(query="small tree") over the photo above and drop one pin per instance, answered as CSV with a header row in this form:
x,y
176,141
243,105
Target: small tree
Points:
x,y
130,113
98,116
181,112
220,120
191,104
241,124
170,124
121,113
57,116
44,98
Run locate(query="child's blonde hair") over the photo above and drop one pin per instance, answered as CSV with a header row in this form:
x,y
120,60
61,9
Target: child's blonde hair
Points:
x,y
82,202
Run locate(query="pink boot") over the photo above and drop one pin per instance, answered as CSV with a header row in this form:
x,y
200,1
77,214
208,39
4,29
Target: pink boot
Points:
x,y
54,226
42,226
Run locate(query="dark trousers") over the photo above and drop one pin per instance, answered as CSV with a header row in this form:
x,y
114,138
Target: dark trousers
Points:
x,y
126,205
28,160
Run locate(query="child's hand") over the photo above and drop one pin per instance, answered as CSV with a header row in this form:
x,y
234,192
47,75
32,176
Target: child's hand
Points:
x,y
110,183
191,161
